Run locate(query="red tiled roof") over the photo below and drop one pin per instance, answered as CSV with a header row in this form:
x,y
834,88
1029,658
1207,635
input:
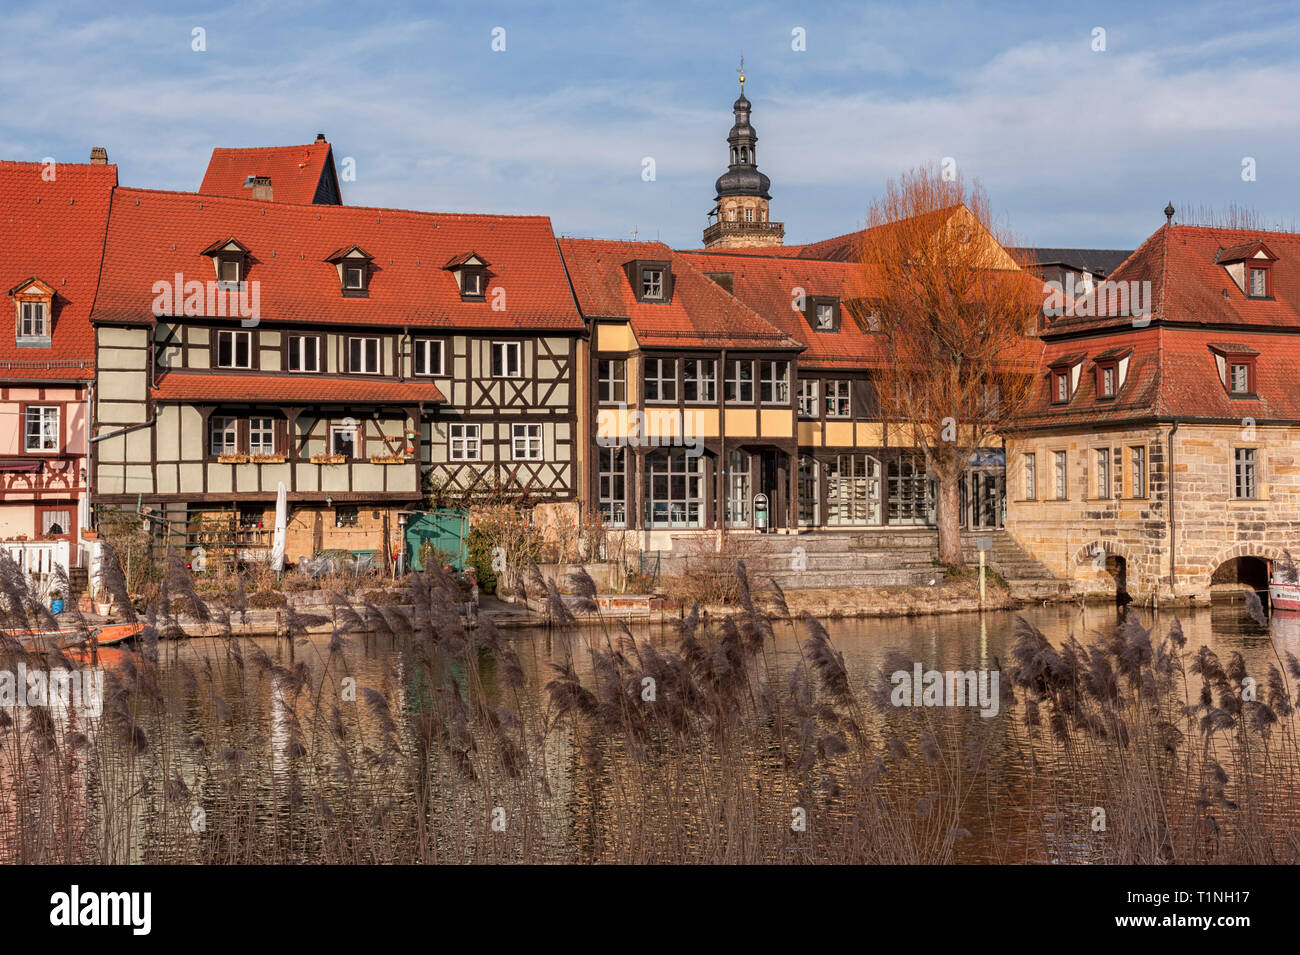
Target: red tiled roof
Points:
x,y
767,285
1197,309
700,315
1187,284
295,171
154,235
845,248
292,389
54,231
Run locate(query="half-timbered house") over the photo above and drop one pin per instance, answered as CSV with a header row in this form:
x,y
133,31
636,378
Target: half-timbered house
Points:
x,y
334,350
52,222
692,398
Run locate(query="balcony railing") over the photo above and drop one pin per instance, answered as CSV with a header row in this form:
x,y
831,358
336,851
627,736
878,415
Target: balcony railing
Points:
x,y
751,230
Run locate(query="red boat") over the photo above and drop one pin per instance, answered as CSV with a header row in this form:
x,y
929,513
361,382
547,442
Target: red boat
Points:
x,y
1284,594
88,639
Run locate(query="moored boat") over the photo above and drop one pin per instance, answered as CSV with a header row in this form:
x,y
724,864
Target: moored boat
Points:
x,y
1284,590
86,638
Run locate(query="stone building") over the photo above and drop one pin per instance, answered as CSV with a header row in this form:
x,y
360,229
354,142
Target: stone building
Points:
x,y
1161,454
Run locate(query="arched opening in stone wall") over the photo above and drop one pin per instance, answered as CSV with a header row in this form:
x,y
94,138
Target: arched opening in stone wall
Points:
x,y
1117,567
1234,575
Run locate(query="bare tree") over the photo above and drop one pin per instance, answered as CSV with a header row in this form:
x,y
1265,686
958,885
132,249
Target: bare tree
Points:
x,y
956,310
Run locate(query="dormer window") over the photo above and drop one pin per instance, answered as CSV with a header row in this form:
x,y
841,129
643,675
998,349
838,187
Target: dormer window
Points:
x,y
1106,381
33,323
823,313
33,313
1258,283
470,271
1112,368
1236,366
353,265
651,281
1064,380
1250,266
230,260
1062,387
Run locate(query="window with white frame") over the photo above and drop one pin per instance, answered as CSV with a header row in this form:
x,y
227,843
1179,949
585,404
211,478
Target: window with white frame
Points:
x,y
304,353
429,356
363,356
526,442
224,431
774,382
808,388
354,277
1138,471
661,379
463,442
825,317
1245,474
1062,476
56,522
234,349
32,321
1103,472
838,401
261,435
739,386
1031,477
652,283
613,485
611,380
507,359
700,380
41,428
343,440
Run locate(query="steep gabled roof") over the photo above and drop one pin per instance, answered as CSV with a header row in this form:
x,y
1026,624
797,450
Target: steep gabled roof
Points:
x,y
302,174
700,315
768,284
53,230
1189,281
153,236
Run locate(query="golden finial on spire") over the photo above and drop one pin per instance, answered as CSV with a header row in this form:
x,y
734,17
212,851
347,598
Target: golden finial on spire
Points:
x,y
741,71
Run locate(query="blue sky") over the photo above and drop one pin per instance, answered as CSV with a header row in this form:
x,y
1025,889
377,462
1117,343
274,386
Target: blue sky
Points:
x,y
1075,147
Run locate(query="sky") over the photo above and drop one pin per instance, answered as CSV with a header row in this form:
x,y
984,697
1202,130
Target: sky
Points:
x,y
1080,137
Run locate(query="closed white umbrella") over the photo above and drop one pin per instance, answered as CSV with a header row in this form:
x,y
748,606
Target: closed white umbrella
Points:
x,y
281,525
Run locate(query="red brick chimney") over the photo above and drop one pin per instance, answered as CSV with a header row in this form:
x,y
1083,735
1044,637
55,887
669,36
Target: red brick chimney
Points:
x,y
262,187
98,156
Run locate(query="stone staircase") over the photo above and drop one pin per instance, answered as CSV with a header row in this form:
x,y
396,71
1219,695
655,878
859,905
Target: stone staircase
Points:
x,y
1027,578
885,558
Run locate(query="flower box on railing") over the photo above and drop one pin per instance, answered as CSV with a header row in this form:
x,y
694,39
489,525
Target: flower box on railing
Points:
x,y
268,458
388,459
232,458
329,459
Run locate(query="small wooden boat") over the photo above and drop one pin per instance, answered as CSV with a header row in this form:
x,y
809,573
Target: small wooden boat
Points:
x,y
1284,593
88,638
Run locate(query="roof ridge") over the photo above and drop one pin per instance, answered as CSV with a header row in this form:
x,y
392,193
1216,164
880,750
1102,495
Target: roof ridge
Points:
x,y
218,197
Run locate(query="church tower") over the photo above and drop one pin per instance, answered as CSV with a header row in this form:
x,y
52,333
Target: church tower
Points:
x,y
740,217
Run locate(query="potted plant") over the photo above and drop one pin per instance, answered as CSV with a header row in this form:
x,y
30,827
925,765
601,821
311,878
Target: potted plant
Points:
x,y
56,601
232,459
103,602
329,459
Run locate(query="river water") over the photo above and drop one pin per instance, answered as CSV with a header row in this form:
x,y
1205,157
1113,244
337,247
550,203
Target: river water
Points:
x,y
940,642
